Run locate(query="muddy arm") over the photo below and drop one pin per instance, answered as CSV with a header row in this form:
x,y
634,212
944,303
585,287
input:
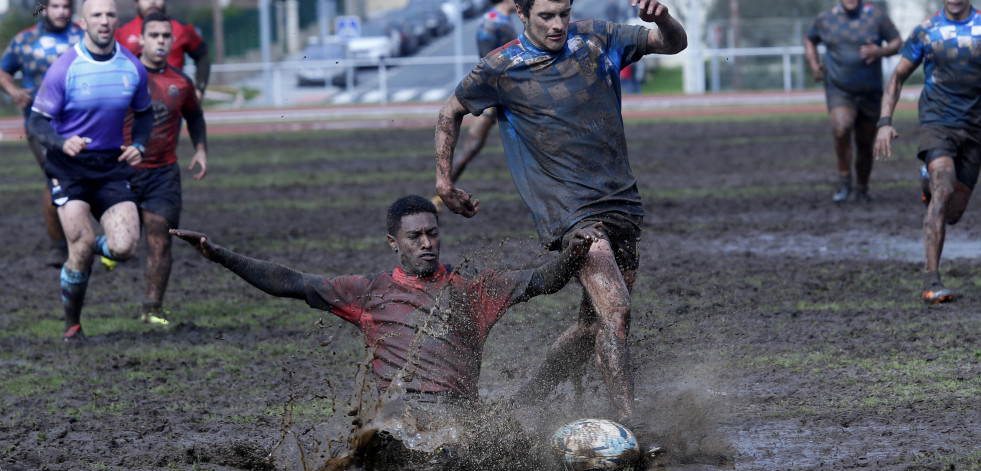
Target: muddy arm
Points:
x,y
554,275
272,278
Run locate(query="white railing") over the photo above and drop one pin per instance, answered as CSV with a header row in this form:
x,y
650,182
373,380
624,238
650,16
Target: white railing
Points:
x,y
273,73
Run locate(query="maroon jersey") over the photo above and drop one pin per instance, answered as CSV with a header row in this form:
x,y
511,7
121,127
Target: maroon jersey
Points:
x,y
172,94
435,327
186,40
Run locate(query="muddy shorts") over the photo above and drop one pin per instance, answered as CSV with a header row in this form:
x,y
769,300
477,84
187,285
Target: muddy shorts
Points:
x,y
158,190
621,230
868,106
97,178
964,146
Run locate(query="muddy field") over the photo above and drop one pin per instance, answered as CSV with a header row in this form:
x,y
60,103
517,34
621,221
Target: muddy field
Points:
x,y
771,328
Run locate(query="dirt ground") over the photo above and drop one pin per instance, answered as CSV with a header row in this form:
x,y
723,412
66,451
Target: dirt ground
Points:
x,y
771,329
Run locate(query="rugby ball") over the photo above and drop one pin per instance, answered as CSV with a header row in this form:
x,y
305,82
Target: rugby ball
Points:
x,y
594,444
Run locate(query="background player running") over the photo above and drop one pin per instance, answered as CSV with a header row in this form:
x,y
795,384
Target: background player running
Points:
x,y
78,116
156,183
948,44
853,34
32,51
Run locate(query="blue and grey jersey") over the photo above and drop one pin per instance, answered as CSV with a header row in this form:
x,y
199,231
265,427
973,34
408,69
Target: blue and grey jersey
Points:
x,y
844,33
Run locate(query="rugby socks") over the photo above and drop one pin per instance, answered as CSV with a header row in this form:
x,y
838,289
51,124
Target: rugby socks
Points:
x,y
73,286
102,248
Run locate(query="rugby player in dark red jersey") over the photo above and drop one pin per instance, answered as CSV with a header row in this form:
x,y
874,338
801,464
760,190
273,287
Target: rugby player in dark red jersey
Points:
x,y
157,180
425,322
186,40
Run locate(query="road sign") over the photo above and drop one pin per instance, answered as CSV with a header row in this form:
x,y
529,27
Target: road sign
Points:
x,y
347,26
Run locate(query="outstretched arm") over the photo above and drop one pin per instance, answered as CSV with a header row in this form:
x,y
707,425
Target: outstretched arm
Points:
x,y
890,97
447,133
669,37
553,275
272,278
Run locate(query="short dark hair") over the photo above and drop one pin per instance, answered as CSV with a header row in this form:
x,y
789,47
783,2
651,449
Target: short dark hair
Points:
x,y
407,206
525,5
153,17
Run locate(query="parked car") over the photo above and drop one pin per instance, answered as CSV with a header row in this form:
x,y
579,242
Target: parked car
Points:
x,y
409,34
331,51
435,19
377,41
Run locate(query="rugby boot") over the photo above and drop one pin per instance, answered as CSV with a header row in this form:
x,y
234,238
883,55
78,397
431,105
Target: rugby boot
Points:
x,y
107,263
74,335
154,314
936,294
862,194
844,190
925,184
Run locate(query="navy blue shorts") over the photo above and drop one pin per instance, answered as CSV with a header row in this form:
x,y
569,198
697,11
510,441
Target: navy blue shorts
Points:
x,y
937,141
158,190
867,106
97,178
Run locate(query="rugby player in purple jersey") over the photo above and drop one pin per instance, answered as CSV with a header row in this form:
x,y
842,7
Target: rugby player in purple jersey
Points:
x,y
78,116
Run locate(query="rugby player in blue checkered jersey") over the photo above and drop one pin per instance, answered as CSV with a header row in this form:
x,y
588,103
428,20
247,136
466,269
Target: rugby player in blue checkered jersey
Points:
x,y
31,52
854,35
78,116
556,90
948,44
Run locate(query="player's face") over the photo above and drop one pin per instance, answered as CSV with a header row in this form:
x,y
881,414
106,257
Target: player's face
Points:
x,y
58,13
157,41
547,23
850,5
417,244
957,10
99,18
145,7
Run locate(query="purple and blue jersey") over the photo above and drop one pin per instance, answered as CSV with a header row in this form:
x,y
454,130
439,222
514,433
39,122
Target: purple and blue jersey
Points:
x,y
560,122
950,52
843,34
89,98
495,30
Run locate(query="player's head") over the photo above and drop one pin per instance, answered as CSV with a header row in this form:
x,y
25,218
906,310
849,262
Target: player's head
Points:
x,y
413,233
100,19
957,10
57,14
506,6
546,22
145,7
851,5
156,40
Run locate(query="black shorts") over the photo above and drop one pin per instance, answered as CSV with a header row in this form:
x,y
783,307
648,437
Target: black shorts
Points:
x,y
158,190
622,231
964,146
867,106
98,178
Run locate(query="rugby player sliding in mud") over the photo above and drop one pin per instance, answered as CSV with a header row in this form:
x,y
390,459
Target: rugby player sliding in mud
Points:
x,y
424,321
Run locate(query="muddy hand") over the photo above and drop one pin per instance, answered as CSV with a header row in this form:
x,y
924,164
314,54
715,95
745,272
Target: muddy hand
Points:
x,y
461,202
883,142
651,11
583,239
75,144
199,241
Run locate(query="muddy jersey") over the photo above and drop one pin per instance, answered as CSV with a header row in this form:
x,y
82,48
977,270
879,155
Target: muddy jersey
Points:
x,y
172,96
843,34
495,30
560,122
33,50
90,98
951,56
435,327
186,40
